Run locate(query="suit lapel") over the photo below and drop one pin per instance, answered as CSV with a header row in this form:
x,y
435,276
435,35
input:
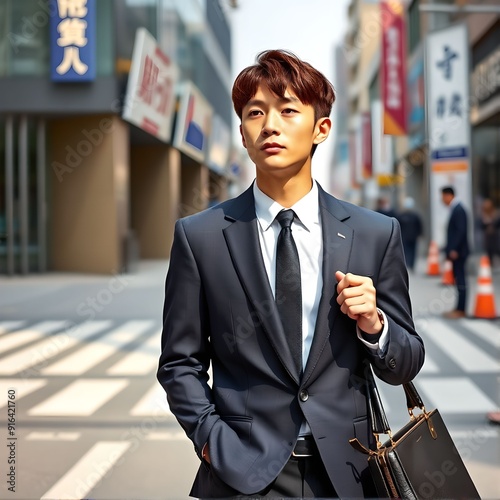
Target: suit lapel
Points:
x,y
337,243
242,239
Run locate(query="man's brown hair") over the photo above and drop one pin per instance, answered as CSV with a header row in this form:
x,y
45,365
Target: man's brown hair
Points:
x,y
278,70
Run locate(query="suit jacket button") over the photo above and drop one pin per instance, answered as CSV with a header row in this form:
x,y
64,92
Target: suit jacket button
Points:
x,y
392,363
303,395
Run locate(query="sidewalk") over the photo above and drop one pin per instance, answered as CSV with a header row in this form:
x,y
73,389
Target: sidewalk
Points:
x,y
82,296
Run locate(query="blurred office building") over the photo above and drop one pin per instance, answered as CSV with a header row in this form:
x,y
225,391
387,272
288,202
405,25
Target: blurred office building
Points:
x,y
115,119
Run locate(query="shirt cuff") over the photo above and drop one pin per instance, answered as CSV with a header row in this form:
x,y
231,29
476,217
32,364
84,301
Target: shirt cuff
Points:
x,y
378,346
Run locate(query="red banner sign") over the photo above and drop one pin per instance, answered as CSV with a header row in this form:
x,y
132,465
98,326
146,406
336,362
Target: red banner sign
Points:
x,y
393,67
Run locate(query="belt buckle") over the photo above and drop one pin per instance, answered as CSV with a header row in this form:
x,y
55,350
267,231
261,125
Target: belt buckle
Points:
x,y
301,455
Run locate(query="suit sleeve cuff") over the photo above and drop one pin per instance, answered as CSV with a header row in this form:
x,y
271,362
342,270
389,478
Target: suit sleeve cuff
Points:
x,y
379,340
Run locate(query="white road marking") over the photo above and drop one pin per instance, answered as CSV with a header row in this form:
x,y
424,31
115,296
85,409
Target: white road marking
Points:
x,y
36,332
42,351
430,366
23,387
80,398
92,354
454,395
88,471
53,436
139,362
153,403
462,351
487,330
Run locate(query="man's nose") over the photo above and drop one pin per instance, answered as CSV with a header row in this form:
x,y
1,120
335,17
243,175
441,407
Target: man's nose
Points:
x,y
271,125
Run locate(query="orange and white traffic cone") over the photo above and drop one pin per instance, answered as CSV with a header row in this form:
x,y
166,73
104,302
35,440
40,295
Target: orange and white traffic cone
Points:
x,y
447,277
485,295
433,260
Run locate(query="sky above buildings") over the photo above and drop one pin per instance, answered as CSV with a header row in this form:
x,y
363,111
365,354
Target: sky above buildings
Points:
x,y
309,28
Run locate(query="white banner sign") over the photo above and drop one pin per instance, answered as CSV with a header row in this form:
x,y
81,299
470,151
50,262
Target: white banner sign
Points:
x,y
447,94
150,97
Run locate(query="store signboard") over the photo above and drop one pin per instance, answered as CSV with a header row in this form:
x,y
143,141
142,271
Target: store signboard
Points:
x,y
193,122
72,40
448,127
150,95
393,71
382,158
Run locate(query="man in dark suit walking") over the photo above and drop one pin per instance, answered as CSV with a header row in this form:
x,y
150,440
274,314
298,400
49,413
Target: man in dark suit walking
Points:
x,y
288,295
457,248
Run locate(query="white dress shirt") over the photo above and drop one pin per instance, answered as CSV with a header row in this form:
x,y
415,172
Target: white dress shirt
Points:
x,y
308,237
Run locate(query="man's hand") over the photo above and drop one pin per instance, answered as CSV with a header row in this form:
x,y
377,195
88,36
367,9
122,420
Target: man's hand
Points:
x,y
357,298
453,255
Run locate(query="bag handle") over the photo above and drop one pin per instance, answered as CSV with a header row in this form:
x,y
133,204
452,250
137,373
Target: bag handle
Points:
x,y
379,422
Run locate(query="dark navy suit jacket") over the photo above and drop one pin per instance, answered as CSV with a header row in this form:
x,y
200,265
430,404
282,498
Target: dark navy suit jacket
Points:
x,y
457,237
220,312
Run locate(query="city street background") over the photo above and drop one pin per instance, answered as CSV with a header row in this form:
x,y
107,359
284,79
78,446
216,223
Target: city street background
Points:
x,y
80,352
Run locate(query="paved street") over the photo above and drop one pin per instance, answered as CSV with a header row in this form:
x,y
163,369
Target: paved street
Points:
x,y
78,358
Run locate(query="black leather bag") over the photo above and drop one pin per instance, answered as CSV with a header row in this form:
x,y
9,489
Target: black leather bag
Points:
x,y
418,461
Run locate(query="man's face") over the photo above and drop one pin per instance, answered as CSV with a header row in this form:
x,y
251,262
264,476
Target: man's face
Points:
x,y
447,198
279,133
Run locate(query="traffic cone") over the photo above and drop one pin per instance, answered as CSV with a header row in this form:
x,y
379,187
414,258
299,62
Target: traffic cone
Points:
x,y
433,260
485,296
448,278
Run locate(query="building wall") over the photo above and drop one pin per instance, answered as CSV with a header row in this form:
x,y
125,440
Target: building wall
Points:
x,y
155,197
88,216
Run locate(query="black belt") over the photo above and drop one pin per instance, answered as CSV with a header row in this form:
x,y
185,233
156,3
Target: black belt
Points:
x,y
305,447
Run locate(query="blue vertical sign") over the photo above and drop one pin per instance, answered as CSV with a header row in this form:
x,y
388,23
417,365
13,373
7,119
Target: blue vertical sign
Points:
x,y
72,40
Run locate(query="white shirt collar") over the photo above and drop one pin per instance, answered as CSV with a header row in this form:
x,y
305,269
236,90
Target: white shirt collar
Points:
x,y
306,209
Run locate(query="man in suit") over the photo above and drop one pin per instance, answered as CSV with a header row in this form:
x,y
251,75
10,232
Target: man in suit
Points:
x,y
277,416
457,248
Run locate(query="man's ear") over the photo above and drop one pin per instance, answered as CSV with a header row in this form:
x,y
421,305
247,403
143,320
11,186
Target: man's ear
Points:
x,y
243,138
322,129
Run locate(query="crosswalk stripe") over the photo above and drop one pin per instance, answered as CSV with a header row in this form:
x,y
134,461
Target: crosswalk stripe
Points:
x,y
7,326
92,354
88,471
153,403
23,387
48,348
20,337
166,436
461,350
139,362
430,366
53,436
487,330
80,398
454,395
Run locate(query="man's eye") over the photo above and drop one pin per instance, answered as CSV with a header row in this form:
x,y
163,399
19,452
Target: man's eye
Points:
x,y
254,112
289,111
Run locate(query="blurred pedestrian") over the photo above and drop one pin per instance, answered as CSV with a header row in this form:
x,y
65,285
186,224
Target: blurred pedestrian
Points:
x,y
411,230
457,248
288,323
489,220
383,206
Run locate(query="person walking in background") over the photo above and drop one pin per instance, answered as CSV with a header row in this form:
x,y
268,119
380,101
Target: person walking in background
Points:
x,y
457,248
411,229
288,294
489,221
383,206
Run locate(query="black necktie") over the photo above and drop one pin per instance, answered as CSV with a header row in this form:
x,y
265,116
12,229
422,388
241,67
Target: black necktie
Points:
x,y
288,288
